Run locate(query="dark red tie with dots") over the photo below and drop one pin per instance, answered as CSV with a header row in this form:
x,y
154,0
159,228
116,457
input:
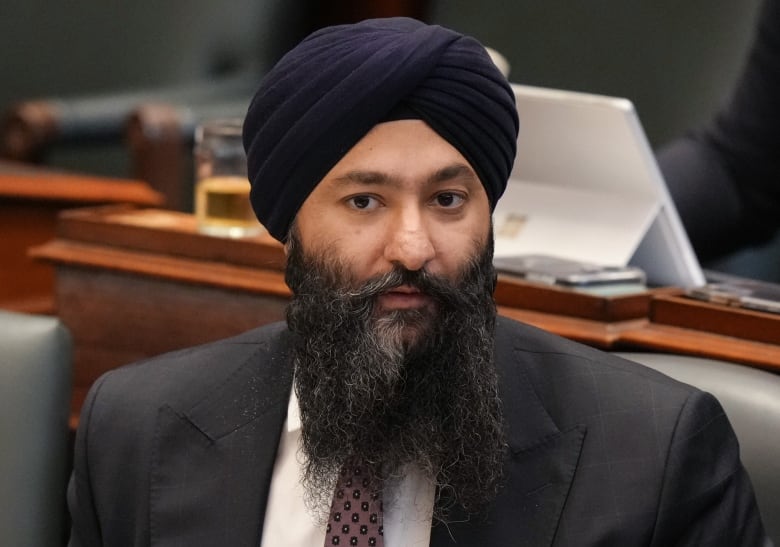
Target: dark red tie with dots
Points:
x,y
356,511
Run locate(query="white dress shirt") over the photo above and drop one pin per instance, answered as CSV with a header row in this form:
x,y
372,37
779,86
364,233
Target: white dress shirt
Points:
x,y
407,506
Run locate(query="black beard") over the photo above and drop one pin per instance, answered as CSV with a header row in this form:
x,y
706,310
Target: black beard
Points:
x,y
368,390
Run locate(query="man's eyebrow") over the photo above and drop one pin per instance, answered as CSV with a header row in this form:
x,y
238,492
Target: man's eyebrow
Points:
x,y
363,177
447,173
454,171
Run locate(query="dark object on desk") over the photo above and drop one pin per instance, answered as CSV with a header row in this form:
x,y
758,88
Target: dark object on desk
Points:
x,y
744,293
553,270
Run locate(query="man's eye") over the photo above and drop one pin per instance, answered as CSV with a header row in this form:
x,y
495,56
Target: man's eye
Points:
x,y
363,203
449,199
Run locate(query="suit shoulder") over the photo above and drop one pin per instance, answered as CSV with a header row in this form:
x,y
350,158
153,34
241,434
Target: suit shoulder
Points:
x,y
554,363
645,434
189,373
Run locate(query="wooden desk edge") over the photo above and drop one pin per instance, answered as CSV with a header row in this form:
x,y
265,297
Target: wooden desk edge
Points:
x,y
186,270
595,333
78,189
670,339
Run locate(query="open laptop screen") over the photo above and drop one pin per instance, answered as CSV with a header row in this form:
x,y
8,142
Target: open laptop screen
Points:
x,y
586,186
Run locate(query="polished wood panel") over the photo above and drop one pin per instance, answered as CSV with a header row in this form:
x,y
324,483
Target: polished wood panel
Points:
x,y
680,311
559,300
670,339
30,200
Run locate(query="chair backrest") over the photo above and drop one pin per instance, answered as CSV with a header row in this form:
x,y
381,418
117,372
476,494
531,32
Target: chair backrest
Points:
x,y
751,399
35,384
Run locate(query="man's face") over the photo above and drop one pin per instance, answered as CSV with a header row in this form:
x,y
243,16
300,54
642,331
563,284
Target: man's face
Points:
x,y
390,264
402,196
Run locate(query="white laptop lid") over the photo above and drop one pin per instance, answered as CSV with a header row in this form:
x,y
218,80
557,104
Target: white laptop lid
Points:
x,y
586,186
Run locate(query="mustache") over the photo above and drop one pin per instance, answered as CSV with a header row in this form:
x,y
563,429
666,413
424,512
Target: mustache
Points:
x,y
305,271
422,280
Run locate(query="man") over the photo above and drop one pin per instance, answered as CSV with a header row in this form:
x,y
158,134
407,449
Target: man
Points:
x,y
725,176
376,154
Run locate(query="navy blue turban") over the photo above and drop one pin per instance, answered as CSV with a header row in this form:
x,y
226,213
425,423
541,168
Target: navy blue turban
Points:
x,y
324,95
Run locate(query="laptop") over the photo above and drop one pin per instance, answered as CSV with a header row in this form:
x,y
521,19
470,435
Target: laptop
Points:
x,y
586,186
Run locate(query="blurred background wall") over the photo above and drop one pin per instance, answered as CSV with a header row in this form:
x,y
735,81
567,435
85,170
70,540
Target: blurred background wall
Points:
x,y
675,60
90,46
86,48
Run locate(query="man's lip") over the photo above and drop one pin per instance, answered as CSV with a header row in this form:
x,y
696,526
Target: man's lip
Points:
x,y
404,289
403,297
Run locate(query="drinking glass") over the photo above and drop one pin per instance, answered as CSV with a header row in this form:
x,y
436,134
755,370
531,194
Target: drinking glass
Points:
x,y
222,206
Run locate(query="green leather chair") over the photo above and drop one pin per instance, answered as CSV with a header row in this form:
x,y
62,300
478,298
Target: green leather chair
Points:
x,y
35,384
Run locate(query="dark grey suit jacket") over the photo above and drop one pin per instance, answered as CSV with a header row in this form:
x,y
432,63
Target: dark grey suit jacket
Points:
x,y
179,450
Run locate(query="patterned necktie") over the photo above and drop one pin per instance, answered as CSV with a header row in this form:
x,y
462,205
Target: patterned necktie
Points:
x,y
356,510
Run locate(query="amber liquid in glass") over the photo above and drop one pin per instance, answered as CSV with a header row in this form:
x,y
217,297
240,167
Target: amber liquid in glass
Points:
x,y
222,207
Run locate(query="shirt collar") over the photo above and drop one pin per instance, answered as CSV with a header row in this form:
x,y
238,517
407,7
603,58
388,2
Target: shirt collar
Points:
x,y
293,412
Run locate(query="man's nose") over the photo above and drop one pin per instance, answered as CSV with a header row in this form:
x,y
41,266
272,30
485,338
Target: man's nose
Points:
x,y
409,243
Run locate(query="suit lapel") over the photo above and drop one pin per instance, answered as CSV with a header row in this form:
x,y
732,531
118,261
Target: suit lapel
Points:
x,y
539,469
213,462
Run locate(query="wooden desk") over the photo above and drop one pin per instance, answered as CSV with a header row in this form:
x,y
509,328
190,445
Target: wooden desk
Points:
x,y
678,324
30,200
132,283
